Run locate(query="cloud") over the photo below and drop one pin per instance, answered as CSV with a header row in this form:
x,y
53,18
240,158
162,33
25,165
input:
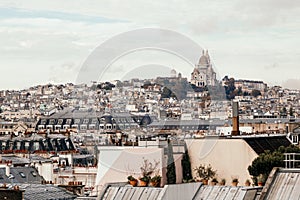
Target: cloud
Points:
x,y
245,37
272,66
292,84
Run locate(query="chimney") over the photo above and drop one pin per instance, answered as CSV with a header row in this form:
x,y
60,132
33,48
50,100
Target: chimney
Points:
x,y
7,169
235,119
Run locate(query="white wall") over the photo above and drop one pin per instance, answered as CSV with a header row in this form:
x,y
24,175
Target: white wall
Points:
x,y
230,157
116,163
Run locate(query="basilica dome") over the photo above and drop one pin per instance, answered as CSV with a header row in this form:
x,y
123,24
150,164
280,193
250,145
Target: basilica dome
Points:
x,y
203,60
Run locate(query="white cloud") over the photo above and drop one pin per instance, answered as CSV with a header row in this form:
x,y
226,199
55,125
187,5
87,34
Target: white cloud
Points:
x,y
244,36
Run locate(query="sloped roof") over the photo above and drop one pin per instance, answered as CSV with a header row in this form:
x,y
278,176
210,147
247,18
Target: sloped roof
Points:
x,y
226,193
20,175
261,144
131,193
16,160
45,192
193,191
285,185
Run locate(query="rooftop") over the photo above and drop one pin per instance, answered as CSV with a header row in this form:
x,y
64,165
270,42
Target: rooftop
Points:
x,y
45,192
194,191
284,184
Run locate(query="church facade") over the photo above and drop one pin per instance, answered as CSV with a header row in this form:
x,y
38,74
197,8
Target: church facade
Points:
x,y
203,73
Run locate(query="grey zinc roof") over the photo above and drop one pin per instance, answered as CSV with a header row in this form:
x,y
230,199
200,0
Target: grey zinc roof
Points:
x,y
3,177
188,122
15,159
20,175
45,192
131,193
285,185
189,191
25,175
226,193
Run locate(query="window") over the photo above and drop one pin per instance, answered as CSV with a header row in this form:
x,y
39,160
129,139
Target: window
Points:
x,y
92,127
74,126
33,173
11,176
22,175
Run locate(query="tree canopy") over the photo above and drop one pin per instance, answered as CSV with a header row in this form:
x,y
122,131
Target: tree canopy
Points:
x,y
171,170
265,162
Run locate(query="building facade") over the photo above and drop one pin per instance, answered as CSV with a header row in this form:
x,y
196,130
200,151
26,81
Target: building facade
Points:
x,y
203,73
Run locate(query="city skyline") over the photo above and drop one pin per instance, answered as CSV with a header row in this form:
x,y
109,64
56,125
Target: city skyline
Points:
x,y
49,42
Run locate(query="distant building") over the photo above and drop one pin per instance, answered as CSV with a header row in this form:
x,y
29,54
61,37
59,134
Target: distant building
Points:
x,y
203,73
250,85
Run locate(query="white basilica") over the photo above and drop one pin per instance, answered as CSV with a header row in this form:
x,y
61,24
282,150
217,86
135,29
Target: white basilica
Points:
x,y
203,73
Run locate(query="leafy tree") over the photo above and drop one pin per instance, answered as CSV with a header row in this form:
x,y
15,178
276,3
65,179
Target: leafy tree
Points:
x,y
283,111
239,91
217,92
246,93
255,93
171,170
205,172
167,93
230,88
146,84
119,84
265,162
291,111
186,166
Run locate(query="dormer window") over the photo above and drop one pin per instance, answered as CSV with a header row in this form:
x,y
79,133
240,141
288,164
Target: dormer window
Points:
x,y
33,174
22,175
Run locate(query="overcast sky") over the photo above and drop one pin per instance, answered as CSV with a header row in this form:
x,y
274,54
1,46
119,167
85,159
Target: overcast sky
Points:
x,y
48,41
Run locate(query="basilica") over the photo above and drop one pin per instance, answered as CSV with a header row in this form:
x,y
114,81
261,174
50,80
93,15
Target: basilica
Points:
x,y
203,73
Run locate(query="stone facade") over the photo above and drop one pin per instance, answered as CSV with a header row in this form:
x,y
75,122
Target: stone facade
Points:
x,y
203,73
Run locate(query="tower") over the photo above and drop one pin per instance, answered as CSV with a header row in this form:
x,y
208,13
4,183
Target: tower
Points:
x,y
203,73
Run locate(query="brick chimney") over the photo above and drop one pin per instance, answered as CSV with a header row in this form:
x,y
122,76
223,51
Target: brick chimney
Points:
x,y
235,119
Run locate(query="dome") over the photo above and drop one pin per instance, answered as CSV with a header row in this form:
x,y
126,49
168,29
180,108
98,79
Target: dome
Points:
x,y
203,60
173,73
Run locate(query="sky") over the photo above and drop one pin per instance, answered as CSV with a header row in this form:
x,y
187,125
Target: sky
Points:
x,y
50,41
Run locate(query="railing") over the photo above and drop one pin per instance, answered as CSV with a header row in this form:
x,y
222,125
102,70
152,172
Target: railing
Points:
x,y
292,160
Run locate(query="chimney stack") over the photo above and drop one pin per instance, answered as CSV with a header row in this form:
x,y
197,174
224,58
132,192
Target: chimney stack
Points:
x,y
235,119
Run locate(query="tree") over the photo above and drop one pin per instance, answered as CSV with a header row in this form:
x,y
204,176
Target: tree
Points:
x,y
291,111
167,93
265,162
186,166
229,88
171,170
255,93
239,91
283,112
205,172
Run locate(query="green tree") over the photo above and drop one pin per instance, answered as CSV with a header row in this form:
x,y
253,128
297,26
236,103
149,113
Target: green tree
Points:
x,y
265,162
186,166
291,111
230,88
171,170
167,93
255,93
239,91
283,111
